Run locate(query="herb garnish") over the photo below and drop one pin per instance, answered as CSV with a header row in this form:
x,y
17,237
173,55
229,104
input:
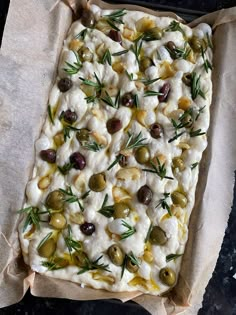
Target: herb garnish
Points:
x,y
194,165
209,42
159,170
148,233
65,168
136,100
82,34
115,17
175,26
106,57
130,75
147,82
44,240
93,265
66,131
206,63
179,53
136,48
196,133
107,211
164,204
108,100
71,244
33,216
75,67
52,264
151,93
130,230
133,142
97,85
172,256
133,259
93,146
179,125
50,114
119,53
195,86
73,198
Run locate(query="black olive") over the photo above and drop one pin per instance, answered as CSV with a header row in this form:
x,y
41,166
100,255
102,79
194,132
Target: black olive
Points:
x,y
123,161
156,131
64,84
87,228
78,161
48,155
144,195
165,90
127,100
69,116
87,18
115,35
171,46
114,125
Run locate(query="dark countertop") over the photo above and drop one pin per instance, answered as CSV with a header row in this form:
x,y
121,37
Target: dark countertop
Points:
x,y
220,295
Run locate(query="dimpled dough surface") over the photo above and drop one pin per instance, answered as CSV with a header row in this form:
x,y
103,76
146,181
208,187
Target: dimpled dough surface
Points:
x,y
180,59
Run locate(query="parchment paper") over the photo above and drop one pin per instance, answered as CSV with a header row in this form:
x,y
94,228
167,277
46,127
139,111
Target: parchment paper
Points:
x,y
31,45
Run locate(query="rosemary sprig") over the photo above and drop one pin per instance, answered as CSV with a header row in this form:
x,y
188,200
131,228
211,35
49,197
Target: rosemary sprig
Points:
x,y
106,57
206,63
175,26
209,42
194,165
71,244
147,82
108,100
195,86
52,265
75,67
44,240
66,131
50,114
200,111
93,265
119,53
196,133
93,146
172,256
136,48
130,230
82,34
164,204
32,217
179,53
115,17
107,211
130,75
91,99
98,85
133,142
65,168
136,100
123,267
151,93
73,198
134,259
179,125
148,233
159,170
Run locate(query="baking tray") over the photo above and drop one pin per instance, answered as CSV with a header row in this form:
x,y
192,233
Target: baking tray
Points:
x,y
215,301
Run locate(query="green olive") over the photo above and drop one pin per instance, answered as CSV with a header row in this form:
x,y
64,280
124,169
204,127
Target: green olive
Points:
x,y
153,34
142,155
121,210
130,266
58,221
145,63
167,276
85,54
187,78
116,255
178,163
97,182
158,236
61,262
179,199
48,248
80,258
196,44
82,136
55,200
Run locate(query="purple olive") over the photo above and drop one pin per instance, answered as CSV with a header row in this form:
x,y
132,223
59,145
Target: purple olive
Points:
x,y
64,84
123,162
127,100
144,195
165,90
114,125
87,18
78,161
115,35
87,228
69,116
171,45
156,131
48,155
